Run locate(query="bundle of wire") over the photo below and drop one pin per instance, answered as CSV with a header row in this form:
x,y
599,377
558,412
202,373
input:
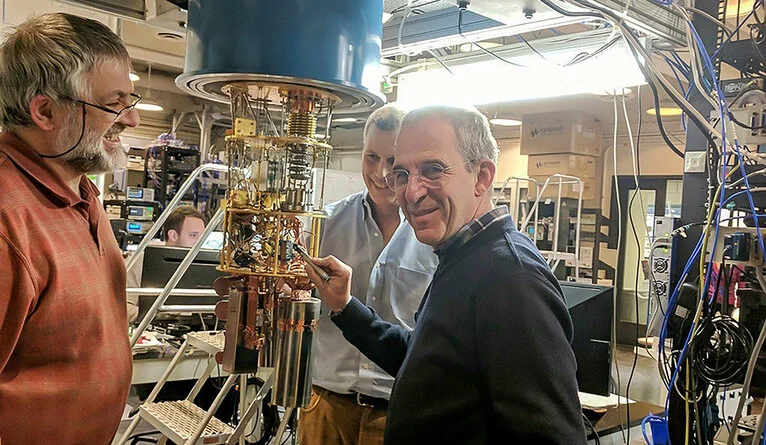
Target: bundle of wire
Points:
x,y
716,349
701,76
720,350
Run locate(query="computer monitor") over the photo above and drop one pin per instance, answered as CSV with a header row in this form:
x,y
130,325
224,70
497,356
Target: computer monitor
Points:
x,y
161,262
214,241
590,307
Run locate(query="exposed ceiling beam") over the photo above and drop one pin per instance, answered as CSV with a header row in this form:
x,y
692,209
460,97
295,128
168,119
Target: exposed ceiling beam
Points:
x,y
156,58
438,29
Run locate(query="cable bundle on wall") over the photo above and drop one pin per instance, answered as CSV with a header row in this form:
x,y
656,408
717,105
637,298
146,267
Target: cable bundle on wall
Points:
x,y
711,349
720,350
716,350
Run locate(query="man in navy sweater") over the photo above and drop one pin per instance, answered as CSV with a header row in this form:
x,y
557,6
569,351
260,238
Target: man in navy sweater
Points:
x,y
489,360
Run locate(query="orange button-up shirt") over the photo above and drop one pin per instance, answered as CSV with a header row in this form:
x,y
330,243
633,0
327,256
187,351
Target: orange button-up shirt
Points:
x,y
65,361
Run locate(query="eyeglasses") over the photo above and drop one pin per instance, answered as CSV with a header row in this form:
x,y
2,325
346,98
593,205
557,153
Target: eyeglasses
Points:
x,y
429,174
117,114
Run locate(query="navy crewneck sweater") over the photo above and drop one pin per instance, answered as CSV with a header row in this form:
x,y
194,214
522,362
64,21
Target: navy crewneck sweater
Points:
x,y
489,360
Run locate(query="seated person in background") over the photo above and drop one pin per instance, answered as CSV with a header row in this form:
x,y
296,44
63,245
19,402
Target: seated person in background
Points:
x,y
182,228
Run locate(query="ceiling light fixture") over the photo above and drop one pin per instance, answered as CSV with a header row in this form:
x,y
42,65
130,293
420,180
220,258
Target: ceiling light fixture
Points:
x,y
134,77
480,80
149,106
745,7
505,122
148,103
665,111
344,120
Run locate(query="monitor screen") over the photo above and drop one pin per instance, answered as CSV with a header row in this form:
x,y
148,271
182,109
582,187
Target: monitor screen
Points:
x,y
214,241
590,307
161,262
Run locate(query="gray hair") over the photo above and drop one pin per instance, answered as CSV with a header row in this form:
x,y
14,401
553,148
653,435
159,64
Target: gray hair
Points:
x,y
50,54
386,118
474,137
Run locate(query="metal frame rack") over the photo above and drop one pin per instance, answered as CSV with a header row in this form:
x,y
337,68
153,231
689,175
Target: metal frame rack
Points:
x,y
555,256
166,167
524,216
698,194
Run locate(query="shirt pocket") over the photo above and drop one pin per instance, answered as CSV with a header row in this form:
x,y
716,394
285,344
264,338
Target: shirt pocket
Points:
x,y
407,290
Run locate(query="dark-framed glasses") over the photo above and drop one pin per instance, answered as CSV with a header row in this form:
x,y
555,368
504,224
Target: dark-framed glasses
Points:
x,y
429,174
118,114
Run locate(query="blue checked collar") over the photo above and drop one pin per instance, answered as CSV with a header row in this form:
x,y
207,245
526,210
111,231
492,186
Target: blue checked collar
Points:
x,y
458,240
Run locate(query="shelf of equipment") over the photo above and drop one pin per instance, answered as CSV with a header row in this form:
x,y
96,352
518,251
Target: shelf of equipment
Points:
x,y
166,167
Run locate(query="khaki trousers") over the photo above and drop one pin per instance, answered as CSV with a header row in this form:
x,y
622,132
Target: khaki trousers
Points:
x,y
331,419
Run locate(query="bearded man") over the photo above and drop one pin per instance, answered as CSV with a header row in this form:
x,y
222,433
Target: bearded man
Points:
x,y
65,361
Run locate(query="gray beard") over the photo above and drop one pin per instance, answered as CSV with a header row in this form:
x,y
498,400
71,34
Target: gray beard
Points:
x,y
90,156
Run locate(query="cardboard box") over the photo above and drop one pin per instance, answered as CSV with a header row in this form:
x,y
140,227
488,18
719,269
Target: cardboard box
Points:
x,y
598,187
586,219
567,190
586,258
564,164
560,132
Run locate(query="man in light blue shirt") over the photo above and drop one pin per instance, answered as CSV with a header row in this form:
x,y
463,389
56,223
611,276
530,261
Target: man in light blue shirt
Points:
x,y
367,231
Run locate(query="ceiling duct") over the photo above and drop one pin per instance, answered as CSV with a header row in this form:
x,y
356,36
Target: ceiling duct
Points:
x,y
657,20
438,28
159,13
437,25
130,9
165,14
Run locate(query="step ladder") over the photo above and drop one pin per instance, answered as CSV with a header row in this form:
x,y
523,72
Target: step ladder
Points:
x,y
182,421
555,256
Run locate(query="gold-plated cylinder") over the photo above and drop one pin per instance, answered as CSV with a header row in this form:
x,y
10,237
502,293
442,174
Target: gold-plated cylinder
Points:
x,y
301,124
316,229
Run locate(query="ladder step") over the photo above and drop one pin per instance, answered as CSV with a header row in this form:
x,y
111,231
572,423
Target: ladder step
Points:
x,y
178,421
749,423
208,341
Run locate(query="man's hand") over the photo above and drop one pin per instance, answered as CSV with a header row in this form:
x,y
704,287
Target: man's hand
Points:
x,y
336,292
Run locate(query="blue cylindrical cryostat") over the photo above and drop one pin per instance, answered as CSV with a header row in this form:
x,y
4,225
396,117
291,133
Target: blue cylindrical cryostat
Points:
x,y
329,44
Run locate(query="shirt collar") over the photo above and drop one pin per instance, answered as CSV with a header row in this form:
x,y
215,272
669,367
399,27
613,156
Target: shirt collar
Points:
x,y
27,160
368,210
470,230
366,204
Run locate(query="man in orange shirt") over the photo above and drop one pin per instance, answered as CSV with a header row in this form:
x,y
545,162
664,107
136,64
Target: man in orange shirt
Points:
x,y
65,361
